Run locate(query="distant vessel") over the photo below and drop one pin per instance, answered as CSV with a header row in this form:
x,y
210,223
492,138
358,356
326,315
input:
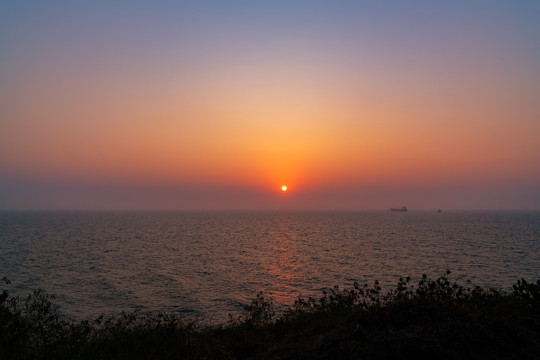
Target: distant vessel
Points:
x,y
439,211
402,209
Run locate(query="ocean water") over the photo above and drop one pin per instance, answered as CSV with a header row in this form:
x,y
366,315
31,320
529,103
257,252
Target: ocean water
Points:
x,y
209,265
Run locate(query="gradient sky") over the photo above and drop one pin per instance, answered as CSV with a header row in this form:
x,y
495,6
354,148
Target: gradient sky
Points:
x,y
196,105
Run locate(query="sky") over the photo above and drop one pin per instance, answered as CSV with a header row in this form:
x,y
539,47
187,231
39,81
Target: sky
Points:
x,y
214,105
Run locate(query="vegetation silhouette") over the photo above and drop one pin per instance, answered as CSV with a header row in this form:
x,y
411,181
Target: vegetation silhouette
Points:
x,y
434,318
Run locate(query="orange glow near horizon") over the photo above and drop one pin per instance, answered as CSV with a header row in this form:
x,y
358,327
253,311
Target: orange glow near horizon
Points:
x,y
340,108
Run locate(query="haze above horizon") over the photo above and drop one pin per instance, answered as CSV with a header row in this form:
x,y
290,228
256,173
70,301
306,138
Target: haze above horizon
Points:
x,y
209,105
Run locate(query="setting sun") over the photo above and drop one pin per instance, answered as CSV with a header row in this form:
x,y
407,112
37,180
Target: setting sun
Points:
x,y
284,188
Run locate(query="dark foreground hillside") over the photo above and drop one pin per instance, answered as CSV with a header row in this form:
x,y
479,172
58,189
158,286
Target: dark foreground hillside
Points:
x,y
434,319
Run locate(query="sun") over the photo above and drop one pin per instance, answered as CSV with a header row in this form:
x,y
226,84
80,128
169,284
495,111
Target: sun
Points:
x,y
284,188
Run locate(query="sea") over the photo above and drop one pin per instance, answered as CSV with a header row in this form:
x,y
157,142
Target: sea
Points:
x,y
208,265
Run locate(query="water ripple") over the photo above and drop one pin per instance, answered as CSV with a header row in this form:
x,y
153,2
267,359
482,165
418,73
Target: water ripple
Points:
x,y
210,264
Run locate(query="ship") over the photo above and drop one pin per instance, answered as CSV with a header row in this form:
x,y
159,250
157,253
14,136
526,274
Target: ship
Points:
x,y
401,209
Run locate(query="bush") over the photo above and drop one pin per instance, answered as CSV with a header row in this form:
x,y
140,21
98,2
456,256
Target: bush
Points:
x,y
529,292
435,318
259,313
30,325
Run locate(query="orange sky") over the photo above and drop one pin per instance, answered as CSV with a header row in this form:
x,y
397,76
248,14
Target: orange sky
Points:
x,y
326,102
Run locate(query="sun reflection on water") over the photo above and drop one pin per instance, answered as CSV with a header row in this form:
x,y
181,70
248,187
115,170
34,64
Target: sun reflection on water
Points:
x,y
283,261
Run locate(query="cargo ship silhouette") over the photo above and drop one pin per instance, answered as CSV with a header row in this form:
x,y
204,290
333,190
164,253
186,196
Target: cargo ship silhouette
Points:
x,y
401,209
